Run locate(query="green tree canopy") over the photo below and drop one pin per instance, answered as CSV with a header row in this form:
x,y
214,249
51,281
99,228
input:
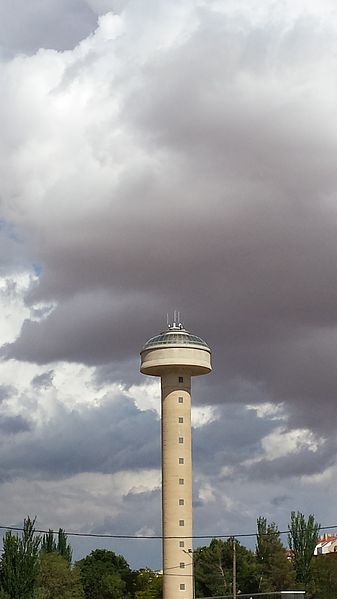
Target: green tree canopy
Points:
x,y
323,577
148,584
61,545
302,539
20,562
213,568
274,568
48,543
56,580
105,575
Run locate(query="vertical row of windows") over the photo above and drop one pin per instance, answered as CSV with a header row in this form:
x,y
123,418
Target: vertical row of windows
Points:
x,y
181,482
181,419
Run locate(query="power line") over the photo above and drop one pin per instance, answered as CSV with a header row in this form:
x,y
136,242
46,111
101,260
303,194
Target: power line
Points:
x,y
152,537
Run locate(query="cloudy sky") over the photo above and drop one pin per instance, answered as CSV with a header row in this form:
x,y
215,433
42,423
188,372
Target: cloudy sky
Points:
x,y
159,155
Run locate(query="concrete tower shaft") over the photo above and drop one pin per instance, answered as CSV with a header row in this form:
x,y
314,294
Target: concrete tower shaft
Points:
x,y
176,356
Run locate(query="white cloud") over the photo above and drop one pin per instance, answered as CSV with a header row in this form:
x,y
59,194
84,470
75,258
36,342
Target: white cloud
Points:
x,y
202,415
146,396
282,442
206,493
13,311
269,410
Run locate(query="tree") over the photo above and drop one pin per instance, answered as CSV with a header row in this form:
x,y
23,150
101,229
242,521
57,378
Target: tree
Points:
x,y
63,547
105,575
148,584
323,577
213,568
49,545
302,539
274,568
48,542
20,562
56,579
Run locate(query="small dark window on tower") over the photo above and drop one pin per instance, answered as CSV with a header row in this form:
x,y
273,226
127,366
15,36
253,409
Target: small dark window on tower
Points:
x,y
182,565
181,460
181,439
181,522
180,399
181,379
182,586
181,502
180,420
181,543
181,481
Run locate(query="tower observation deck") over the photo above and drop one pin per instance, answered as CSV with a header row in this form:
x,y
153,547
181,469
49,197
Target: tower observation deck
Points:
x,y
175,356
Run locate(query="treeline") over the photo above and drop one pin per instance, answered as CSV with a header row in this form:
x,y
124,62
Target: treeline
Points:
x,y
34,566
271,567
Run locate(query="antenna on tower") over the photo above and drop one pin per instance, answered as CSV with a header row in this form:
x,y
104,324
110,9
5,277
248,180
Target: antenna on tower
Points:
x,y
167,319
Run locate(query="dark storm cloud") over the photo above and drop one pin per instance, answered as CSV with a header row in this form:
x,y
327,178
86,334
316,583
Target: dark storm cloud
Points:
x,y
303,462
58,24
107,439
100,322
222,205
125,438
280,500
236,436
11,425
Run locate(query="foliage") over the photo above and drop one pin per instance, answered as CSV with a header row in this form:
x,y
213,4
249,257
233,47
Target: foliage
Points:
x,y
35,568
20,562
56,579
49,545
213,568
323,579
148,584
105,575
275,570
302,539
63,547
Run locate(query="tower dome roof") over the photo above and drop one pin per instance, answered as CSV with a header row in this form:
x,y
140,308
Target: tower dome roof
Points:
x,y
175,336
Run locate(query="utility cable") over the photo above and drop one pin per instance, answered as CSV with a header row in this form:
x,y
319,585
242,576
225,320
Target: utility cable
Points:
x,y
154,537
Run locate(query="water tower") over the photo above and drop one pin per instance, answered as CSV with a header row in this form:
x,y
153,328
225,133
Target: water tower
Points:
x,y
176,355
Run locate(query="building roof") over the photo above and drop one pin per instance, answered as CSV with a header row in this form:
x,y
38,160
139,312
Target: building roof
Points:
x,y
175,336
327,544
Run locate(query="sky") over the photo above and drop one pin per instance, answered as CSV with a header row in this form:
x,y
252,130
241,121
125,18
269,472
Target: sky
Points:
x,y
155,156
